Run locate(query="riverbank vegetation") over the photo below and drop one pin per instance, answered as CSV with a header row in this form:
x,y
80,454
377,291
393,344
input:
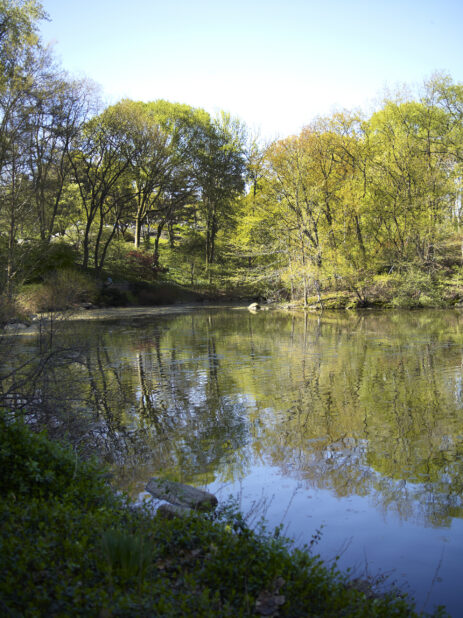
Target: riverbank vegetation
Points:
x,y
358,209
70,546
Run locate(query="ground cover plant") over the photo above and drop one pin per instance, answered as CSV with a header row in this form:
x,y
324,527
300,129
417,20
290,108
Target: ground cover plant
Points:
x,y
71,546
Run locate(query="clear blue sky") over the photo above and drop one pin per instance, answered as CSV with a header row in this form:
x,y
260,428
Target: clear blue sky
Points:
x,y
274,63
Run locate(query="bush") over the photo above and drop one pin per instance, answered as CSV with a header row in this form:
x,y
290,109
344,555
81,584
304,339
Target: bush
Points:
x,y
415,288
41,258
112,297
144,264
60,290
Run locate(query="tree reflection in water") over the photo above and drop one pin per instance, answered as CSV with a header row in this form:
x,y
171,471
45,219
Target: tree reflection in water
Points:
x,y
362,404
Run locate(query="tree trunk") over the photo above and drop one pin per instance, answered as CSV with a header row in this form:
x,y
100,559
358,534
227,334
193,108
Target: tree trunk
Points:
x,y
86,244
156,241
11,232
192,273
137,231
97,241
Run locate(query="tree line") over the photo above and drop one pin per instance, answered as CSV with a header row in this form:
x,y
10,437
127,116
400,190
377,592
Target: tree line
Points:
x,y
354,198
351,202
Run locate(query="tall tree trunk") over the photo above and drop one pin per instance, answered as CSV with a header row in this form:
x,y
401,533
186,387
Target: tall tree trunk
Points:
x,y
86,244
137,230
11,232
106,246
360,237
96,251
156,241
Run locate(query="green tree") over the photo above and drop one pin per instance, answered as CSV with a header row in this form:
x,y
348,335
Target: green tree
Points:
x,y
101,161
21,66
61,107
150,164
182,125
409,182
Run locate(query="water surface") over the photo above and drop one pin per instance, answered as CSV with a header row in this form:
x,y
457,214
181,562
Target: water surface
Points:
x,y
348,423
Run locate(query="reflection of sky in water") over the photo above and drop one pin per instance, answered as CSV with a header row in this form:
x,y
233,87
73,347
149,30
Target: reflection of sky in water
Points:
x,y
352,422
368,539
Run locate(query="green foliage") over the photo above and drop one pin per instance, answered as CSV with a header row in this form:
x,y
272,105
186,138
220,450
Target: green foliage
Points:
x,y
117,261
9,309
70,546
19,31
128,554
36,467
41,258
416,288
61,289
347,199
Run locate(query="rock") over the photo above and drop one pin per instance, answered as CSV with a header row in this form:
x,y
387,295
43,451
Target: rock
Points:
x,y
254,307
11,328
170,511
268,602
183,495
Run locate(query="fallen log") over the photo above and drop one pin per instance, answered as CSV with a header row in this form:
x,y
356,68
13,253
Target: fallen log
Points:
x,y
170,511
181,494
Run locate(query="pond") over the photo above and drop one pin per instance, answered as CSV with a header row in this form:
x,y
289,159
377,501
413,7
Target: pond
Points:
x,y
346,423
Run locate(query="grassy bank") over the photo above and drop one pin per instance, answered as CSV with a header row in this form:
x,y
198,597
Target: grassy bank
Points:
x,y
70,546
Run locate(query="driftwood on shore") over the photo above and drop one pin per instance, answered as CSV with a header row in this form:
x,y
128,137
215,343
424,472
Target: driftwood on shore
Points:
x,y
170,511
181,495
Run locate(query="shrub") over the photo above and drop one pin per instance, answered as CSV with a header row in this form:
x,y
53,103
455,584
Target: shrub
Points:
x,y
41,258
128,555
415,288
60,290
145,265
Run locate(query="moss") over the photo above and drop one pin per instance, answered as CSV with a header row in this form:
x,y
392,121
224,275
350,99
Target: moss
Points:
x,y
70,546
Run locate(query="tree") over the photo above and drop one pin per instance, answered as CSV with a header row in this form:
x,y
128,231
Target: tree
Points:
x,y
165,170
409,182
150,164
186,127
18,35
221,172
101,161
61,107
20,62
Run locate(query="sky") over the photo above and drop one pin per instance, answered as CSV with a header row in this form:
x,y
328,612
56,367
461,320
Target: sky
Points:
x,y
276,64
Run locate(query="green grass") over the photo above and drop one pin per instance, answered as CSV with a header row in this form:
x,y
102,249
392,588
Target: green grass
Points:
x,y
71,546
